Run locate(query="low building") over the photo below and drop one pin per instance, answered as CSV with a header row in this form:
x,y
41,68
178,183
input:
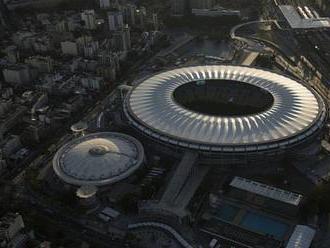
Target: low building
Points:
x,y
302,18
93,83
17,74
216,12
43,64
267,197
301,237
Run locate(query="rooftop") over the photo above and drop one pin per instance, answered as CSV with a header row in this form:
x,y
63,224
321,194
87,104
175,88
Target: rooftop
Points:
x,y
266,191
303,21
98,159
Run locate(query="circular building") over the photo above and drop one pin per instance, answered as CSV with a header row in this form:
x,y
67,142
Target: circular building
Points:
x,y
225,110
98,159
87,195
79,128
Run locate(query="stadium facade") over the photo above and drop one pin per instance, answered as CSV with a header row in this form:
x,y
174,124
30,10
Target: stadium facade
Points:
x,y
226,113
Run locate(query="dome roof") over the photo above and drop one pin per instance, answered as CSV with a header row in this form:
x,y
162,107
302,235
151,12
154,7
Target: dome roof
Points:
x,y
98,159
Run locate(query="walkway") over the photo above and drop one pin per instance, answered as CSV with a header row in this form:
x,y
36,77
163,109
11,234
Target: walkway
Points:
x,y
164,227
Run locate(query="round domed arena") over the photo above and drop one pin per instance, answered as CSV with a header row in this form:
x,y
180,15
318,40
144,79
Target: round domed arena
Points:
x,y
98,159
226,111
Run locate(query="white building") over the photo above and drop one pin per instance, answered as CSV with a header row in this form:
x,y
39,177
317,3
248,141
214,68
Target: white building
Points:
x,y
115,20
94,83
88,16
302,237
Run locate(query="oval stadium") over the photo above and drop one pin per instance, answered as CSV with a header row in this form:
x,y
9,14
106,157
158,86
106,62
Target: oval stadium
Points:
x,y
222,110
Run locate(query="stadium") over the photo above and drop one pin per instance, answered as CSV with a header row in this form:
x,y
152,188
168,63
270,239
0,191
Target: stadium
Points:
x,y
226,113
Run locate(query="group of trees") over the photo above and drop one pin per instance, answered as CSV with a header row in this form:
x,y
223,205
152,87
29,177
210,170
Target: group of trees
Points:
x,y
318,201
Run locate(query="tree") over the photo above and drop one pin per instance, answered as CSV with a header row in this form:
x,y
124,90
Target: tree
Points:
x,y
317,201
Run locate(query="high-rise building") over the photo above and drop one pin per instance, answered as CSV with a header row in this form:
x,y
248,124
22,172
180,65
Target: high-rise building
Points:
x,y
3,14
122,39
129,12
202,4
88,16
179,7
90,50
155,21
141,16
115,20
127,38
105,4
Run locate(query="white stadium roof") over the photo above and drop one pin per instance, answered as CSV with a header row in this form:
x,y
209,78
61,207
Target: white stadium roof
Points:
x,y
296,112
98,159
266,191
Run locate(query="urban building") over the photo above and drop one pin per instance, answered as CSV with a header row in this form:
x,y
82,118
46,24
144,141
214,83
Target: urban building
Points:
x,y
10,225
122,39
115,20
91,49
179,7
17,74
3,14
105,4
248,202
108,72
155,21
69,48
129,13
89,18
43,64
141,15
202,4
93,83
12,54
303,17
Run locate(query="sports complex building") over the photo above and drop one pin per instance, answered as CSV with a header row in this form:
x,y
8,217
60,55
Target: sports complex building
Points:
x,y
227,113
98,159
